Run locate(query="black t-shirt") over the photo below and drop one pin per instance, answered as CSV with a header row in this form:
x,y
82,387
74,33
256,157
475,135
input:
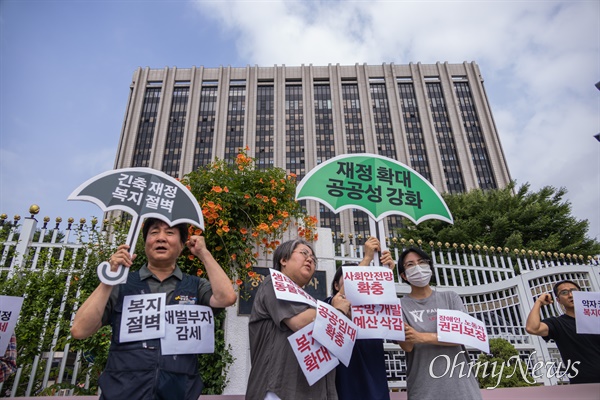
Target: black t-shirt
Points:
x,y
574,347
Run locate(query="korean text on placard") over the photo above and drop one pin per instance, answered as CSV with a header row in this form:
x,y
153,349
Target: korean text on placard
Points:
x,y
158,195
456,324
337,329
373,316
144,315
359,182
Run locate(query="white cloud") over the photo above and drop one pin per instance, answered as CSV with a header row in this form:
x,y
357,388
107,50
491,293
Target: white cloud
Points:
x,y
539,61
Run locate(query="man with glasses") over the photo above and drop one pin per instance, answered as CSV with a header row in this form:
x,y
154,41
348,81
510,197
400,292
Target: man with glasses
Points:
x,y
580,352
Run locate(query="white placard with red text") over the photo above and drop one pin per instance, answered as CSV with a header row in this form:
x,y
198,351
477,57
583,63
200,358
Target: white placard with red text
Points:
x,y
314,358
190,329
379,321
143,317
373,285
335,331
458,327
587,312
10,307
286,289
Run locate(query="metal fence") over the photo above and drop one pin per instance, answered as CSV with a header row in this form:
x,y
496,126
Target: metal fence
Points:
x,y
498,286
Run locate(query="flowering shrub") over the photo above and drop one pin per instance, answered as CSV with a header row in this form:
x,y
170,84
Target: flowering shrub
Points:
x,y
245,210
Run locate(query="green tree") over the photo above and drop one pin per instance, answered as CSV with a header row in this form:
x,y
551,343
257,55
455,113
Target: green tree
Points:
x,y
502,367
539,220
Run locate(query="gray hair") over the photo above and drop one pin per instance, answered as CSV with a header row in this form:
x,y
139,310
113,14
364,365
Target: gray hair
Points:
x,y
284,251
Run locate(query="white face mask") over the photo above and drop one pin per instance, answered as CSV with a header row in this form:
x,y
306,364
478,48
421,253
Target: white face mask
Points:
x,y
419,275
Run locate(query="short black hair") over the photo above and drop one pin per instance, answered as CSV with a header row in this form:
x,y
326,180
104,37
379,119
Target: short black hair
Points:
x,y
338,275
557,284
150,222
421,254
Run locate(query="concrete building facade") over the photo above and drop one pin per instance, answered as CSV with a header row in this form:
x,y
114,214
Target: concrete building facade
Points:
x,y
435,118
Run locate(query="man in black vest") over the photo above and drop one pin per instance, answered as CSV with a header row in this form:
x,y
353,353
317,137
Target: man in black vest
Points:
x,y
137,370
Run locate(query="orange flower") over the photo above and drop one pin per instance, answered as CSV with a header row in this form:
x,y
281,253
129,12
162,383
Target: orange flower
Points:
x,y
233,256
285,214
246,196
219,248
254,234
199,272
225,229
248,265
191,257
239,282
274,200
217,189
243,231
270,217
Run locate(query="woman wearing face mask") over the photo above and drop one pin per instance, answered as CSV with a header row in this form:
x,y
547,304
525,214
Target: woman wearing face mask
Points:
x,y
430,363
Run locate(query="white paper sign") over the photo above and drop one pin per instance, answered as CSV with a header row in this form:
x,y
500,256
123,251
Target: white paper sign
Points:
x,y
458,327
379,321
143,317
314,358
286,289
190,329
369,285
10,307
587,312
335,331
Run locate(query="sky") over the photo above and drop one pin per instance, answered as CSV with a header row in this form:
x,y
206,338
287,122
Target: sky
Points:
x,y
66,67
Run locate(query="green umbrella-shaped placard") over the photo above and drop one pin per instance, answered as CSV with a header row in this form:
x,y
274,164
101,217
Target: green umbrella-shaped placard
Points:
x,y
377,185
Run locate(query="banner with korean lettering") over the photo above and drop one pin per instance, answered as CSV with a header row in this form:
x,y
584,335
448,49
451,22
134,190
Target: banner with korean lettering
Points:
x,y
377,185
458,327
379,321
373,285
10,307
335,331
587,312
143,317
143,193
286,289
314,358
190,329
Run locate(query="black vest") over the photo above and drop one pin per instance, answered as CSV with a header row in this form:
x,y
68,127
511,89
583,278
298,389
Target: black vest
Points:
x,y
137,370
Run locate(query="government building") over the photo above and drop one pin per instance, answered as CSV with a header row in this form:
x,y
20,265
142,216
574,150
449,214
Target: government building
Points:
x,y
435,118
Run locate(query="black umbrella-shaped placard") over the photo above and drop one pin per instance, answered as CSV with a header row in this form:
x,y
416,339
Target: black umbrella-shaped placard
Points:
x,y
143,193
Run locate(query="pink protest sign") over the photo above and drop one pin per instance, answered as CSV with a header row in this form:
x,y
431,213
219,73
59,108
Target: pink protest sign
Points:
x,y
587,312
335,331
314,358
458,327
286,289
379,321
373,285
